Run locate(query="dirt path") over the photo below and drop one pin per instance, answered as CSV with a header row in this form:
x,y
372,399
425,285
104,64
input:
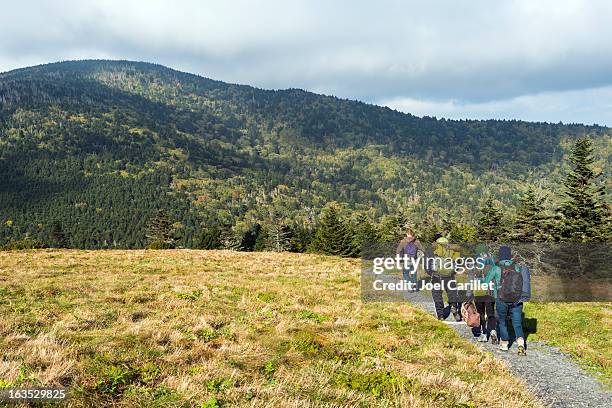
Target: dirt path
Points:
x,y
552,375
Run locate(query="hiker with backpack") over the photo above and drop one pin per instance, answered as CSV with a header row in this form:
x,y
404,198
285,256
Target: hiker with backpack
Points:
x,y
444,278
410,246
512,288
484,300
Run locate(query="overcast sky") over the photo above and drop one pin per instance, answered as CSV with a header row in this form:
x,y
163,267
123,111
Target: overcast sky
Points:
x,y
536,60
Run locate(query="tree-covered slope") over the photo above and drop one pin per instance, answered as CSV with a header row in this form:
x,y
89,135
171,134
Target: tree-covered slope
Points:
x,y
99,145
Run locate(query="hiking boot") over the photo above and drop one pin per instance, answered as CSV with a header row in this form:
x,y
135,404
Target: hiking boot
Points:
x,y
494,339
441,318
482,338
503,345
521,346
456,314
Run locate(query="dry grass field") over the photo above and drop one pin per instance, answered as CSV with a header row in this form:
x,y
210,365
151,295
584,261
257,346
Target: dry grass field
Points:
x,y
217,328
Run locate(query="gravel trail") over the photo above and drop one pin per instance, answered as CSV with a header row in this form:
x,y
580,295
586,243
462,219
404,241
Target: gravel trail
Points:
x,y
550,374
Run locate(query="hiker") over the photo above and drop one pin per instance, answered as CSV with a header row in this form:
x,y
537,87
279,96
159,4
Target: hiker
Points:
x,y
512,288
410,246
444,277
484,299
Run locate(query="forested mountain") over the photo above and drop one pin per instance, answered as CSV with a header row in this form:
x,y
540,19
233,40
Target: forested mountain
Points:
x,y
98,146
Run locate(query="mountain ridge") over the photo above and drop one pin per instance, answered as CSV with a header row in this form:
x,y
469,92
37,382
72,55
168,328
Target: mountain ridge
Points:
x,y
287,90
215,152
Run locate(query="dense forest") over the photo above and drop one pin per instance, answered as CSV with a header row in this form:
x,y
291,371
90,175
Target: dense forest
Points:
x,y
103,154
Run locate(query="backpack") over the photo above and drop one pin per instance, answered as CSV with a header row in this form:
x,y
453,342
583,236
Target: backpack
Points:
x,y
441,253
411,249
470,314
511,284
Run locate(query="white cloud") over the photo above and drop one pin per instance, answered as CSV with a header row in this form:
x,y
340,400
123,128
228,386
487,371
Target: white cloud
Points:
x,y
470,52
593,106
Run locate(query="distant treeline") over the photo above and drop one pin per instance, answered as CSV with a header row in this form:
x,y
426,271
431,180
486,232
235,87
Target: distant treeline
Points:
x,y
583,216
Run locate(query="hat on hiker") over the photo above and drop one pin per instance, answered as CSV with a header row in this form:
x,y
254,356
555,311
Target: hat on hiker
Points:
x,y
442,240
505,253
481,249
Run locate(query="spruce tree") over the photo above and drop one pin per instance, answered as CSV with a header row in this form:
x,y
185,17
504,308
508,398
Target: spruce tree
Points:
x,y
393,227
58,238
249,238
365,233
279,237
461,233
584,216
231,238
532,224
333,236
301,237
159,232
491,227
210,238
436,220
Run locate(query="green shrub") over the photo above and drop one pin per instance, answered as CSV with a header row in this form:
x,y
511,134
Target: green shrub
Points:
x,y
190,296
211,403
307,344
308,315
114,379
207,334
160,245
266,297
25,243
219,384
377,383
269,369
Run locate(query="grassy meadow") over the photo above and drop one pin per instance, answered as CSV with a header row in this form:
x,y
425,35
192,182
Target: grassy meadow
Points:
x,y
581,329
220,328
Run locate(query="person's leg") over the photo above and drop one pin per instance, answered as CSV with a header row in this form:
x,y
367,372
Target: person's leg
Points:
x,y
502,313
451,292
490,310
406,276
413,278
480,308
482,329
436,294
492,321
516,316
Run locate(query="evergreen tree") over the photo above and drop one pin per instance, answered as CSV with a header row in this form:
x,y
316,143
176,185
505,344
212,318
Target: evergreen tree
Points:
x,y
365,233
301,237
334,236
279,237
393,227
490,227
231,239
159,232
436,220
249,238
584,216
210,238
58,238
461,233
532,224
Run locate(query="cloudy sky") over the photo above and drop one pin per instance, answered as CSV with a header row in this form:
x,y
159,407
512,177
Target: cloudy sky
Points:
x,y
544,60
